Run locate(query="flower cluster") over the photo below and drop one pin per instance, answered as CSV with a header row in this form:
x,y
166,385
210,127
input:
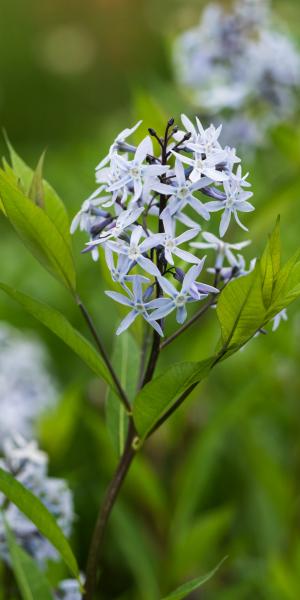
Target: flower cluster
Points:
x,y
238,61
26,389
30,466
149,206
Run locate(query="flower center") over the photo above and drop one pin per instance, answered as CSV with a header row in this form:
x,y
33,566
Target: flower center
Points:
x,y
135,172
140,307
134,252
181,299
183,192
170,244
199,164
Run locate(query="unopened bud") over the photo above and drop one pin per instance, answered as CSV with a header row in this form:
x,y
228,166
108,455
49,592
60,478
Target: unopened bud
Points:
x,y
179,274
152,132
148,293
171,122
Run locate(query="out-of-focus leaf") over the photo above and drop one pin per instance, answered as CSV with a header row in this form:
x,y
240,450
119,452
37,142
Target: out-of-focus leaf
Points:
x,y
190,586
201,540
62,420
38,233
158,396
36,190
137,551
53,205
32,583
126,358
59,325
36,512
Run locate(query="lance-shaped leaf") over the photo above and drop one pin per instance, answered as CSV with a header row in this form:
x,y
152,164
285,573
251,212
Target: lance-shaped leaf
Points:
x,y
125,360
32,182
38,232
58,324
190,586
241,310
161,394
36,512
32,583
36,191
270,264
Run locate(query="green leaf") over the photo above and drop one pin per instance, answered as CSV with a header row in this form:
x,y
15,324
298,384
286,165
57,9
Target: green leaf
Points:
x,y
36,190
59,325
36,512
241,310
32,583
270,264
38,232
187,588
125,361
160,394
53,205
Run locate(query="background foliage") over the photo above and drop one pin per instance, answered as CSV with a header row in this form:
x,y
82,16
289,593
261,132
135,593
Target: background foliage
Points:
x,y
222,478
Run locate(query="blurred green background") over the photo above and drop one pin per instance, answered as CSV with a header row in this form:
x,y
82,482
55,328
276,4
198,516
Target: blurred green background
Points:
x,y
223,478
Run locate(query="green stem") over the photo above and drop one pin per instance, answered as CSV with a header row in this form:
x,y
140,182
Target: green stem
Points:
x,y
104,354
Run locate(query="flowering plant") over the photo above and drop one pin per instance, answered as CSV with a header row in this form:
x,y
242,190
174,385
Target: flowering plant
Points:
x,y
146,219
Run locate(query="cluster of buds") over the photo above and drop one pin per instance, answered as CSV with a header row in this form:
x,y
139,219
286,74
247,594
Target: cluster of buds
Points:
x,y
145,197
30,466
26,388
238,63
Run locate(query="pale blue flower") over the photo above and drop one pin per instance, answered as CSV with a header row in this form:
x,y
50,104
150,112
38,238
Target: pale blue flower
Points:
x,y
134,172
236,201
124,220
136,249
281,316
222,249
181,192
121,137
135,301
119,272
171,243
190,291
203,166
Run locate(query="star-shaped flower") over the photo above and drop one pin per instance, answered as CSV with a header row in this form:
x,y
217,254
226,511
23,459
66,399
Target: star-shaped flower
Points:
x,y
222,249
170,242
125,219
135,301
134,172
136,249
236,201
189,292
181,192
121,137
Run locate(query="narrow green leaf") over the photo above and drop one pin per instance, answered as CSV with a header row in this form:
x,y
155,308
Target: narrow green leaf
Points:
x,y
36,512
38,232
53,205
36,190
240,309
270,264
187,588
32,583
125,361
59,325
159,395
